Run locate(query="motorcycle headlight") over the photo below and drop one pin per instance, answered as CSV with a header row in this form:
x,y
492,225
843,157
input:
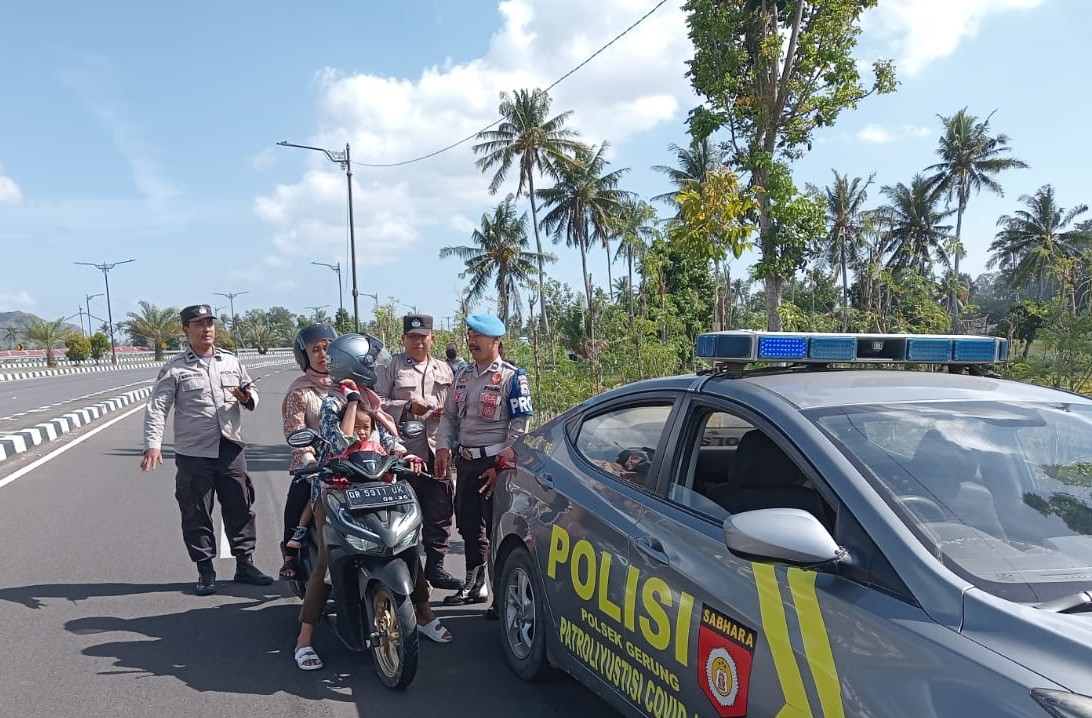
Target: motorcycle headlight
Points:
x,y
1063,704
361,544
411,538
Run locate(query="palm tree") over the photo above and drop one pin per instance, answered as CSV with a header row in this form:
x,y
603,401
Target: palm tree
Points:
x,y
154,325
970,159
48,335
583,206
12,335
846,218
499,255
636,227
693,165
913,234
259,332
539,143
1033,241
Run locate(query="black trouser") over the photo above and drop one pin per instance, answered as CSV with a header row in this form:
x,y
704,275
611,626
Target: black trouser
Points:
x,y
299,494
473,511
198,480
437,499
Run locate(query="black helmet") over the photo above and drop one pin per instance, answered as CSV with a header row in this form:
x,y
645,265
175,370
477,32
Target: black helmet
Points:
x,y
306,337
356,357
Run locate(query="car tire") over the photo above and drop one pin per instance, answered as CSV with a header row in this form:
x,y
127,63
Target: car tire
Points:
x,y
522,615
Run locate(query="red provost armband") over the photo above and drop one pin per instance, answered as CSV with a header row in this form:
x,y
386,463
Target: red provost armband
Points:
x,y
503,463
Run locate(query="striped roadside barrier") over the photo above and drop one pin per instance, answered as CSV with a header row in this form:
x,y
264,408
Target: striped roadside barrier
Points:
x,y
17,442
267,360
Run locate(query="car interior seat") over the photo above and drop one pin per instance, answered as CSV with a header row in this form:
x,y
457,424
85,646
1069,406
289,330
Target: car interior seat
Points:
x,y
764,477
948,474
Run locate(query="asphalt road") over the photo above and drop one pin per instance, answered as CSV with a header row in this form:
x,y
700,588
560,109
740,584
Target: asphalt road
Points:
x,y
98,616
25,402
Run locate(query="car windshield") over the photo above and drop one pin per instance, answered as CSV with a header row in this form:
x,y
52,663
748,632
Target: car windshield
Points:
x,y
1000,492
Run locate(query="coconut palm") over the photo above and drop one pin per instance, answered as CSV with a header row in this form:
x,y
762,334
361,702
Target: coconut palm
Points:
x,y
911,221
1033,241
539,143
582,208
47,335
693,165
154,325
970,159
499,255
259,333
636,227
847,219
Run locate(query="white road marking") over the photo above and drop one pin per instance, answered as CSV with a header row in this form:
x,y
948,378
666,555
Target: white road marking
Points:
x,y
61,449
225,547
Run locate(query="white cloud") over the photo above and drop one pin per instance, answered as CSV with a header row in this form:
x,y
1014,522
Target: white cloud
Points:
x,y
11,301
881,135
9,190
93,81
916,32
634,86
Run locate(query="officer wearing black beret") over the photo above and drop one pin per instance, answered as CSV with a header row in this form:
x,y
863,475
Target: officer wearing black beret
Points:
x,y
208,388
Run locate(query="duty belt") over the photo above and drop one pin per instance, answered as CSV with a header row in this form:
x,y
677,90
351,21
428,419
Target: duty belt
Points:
x,y
479,452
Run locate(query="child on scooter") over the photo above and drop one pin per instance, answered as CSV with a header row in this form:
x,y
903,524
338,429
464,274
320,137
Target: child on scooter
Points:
x,y
370,436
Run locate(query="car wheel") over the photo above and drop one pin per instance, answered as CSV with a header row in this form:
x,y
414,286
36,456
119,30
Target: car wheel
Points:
x,y
523,618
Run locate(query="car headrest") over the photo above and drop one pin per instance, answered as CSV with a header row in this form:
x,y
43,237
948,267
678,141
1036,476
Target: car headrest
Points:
x,y
760,463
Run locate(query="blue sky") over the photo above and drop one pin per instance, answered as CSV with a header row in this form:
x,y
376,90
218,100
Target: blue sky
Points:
x,y
148,131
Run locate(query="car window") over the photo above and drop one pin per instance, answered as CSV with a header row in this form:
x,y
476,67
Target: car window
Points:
x,y
1000,492
623,442
733,466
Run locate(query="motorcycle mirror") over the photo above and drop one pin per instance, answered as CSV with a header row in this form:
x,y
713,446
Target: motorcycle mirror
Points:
x,y
303,437
412,429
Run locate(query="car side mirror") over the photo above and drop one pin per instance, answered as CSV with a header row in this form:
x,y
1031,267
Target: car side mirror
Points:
x,y
303,437
781,535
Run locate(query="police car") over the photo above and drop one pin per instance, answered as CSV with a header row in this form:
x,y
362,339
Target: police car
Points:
x,y
818,536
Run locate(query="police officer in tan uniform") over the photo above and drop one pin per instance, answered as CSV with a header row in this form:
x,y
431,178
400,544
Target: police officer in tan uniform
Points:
x,y
486,411
414,386
207,386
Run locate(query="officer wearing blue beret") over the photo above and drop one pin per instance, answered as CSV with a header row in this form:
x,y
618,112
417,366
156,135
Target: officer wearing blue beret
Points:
x,y
485,413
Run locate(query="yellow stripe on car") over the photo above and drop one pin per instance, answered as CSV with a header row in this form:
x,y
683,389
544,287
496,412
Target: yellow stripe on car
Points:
x,y
776,629
816,642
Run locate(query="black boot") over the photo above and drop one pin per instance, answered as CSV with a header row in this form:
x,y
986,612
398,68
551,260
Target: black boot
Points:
x,y
206,578
437,575
247,572
473,589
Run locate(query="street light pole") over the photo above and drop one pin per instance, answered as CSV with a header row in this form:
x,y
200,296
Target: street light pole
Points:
x,y
87,298
343,159
340,294
105,269
231,300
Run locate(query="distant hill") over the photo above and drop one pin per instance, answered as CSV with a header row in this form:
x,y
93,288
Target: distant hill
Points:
x,y
19,320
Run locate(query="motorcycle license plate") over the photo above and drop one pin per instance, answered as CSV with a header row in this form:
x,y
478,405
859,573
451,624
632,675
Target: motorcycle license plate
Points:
x,y
382,495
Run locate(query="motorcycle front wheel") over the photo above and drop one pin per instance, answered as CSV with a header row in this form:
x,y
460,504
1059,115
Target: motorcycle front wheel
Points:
x,y
395,650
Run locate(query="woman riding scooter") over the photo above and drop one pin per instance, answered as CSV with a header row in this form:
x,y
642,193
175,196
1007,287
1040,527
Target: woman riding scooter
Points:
x,y
352,361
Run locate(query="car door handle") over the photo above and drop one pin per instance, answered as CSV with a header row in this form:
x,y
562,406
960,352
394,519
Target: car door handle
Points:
x,y
545,480
652,548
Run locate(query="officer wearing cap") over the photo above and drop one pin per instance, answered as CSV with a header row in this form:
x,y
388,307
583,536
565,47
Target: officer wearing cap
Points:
x,y
206,385
414,386
485,413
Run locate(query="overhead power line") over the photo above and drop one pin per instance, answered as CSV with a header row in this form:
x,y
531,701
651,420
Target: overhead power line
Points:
x,y
496,122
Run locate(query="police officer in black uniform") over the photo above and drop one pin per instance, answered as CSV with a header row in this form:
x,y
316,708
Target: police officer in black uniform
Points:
x,y
207,387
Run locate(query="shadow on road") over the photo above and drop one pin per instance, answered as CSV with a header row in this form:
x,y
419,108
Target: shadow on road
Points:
x,y
242,644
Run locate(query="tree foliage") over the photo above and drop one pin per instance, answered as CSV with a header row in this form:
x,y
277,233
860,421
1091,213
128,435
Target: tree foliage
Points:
x,y
771,72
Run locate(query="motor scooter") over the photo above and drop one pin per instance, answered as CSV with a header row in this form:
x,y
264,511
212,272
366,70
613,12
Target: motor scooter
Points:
x,y
372,536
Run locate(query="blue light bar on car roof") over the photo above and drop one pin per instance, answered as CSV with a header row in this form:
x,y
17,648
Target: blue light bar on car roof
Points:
x,y
739,347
